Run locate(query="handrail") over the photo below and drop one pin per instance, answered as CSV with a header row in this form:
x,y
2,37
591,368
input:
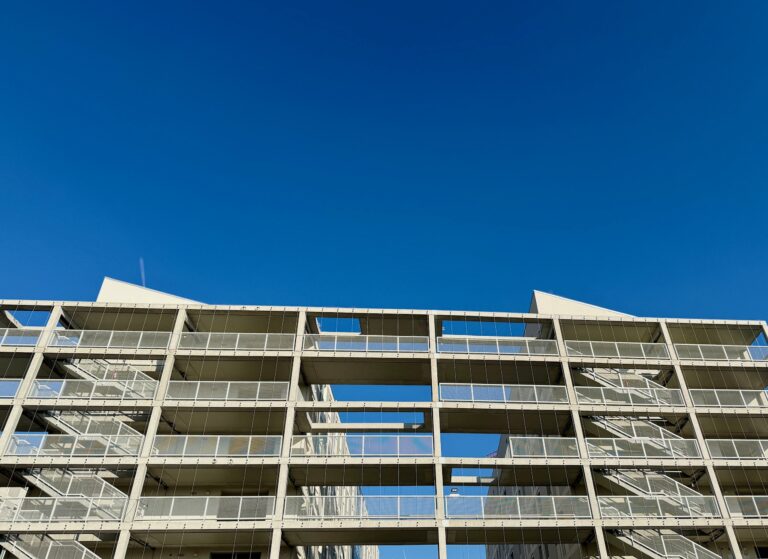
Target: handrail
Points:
x,y
356,342
640,447
496,345
110,339
379,507
56,389
719,352
34,444
517,506
207,508
507,393
629,396
623,350
373,445
216,445
19,336
657,507
244,341
222,390
728,398
52,509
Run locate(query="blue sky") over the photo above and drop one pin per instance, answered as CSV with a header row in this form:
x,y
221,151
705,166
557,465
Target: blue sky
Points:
x,y
411,155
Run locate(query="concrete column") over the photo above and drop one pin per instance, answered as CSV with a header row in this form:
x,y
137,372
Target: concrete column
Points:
x,y
137,487
589,481
281,490
703,448
25,386
442,547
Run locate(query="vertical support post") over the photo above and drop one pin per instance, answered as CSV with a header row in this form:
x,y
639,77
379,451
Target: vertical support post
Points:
x,y
703,448
589,481
442,545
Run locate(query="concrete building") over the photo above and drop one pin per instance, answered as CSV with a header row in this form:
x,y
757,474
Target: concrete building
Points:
x,y
144,425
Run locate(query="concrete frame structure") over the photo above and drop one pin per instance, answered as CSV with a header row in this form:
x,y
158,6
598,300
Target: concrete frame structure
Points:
x,y
619,436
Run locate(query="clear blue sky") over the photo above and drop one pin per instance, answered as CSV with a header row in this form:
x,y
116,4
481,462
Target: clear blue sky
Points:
x,y
440,155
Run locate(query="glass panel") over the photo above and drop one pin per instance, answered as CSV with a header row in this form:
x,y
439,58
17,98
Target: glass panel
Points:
x,y
222,340
630,350
450,345
686,351
736,353
182,390
95,338
513,347
155,340
280,342
655,351
384,343
479,345
253,342
578,348
350,343
193,340
542,347
714,352
605,349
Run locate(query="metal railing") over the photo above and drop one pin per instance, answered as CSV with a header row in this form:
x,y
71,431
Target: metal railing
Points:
x,y
704,397
342,444
514,506
42,444
221,390
9,388
747,506
715,352
650,483
58,509
205,508
624,350
19,336
217,446
642,448
42,547
67,484
373,507
507,393
629,396
110,339
542,447
384,344
741,449
244,341
52,389
658,506
496,346
672,546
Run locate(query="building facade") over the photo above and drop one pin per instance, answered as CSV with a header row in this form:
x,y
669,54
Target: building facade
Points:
x,y
143,425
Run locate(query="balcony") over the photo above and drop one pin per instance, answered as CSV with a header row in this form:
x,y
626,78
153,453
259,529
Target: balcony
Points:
x,y
496,346
93,390
642,448
658,507
506,393
109,339
629,396
227,391
360,507
61,509
620,350
9,388
518,507
738,449
242,341
542,447
729,398
66,446
713,352
19,336
216,446
219,509
355,343
747,506
380,446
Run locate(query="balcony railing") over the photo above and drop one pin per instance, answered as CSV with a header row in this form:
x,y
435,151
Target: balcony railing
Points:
x,y
216,446
713,352
671,545
232,391
51,389
205,508
9,388
642,448
354,343
523,506
623,350
34,444
507,393
110,339
243,341
496,346
340,444
360,507
40,546
61,509
738,449
542,447
747,506
629,396
658,507
19,336
729,398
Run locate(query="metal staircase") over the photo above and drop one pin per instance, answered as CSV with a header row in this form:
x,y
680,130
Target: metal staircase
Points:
x,y
36,546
